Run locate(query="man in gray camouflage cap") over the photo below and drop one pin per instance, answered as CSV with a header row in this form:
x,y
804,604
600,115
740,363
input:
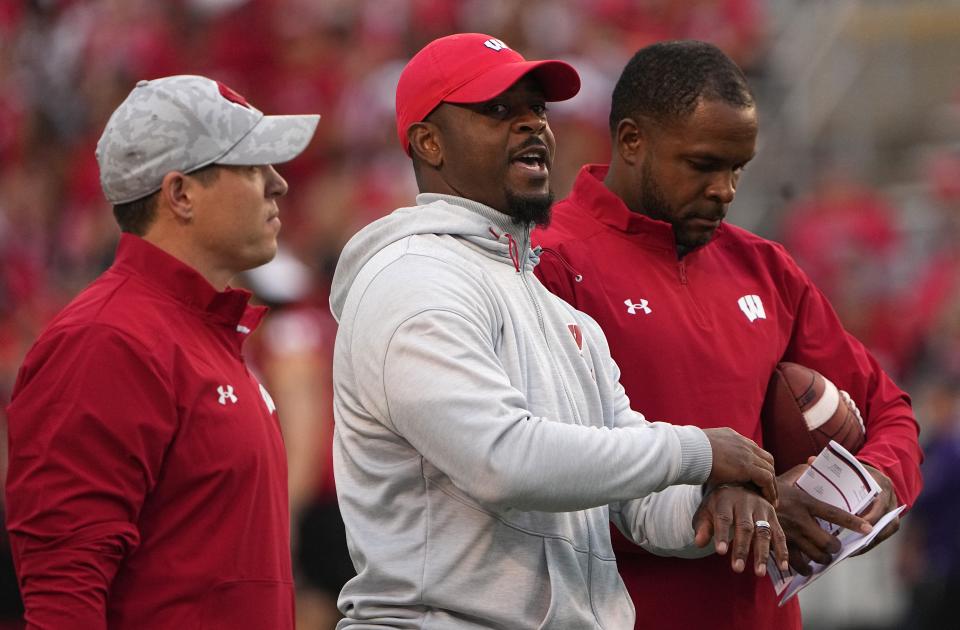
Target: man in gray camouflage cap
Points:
x,y
147,485
171,131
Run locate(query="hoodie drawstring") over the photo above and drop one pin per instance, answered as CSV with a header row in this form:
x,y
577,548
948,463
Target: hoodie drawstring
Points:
x,y
577,277
513,248
514,251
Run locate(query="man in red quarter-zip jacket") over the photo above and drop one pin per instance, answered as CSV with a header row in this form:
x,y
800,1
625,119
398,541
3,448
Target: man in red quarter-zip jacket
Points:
x,y
699,312
147,486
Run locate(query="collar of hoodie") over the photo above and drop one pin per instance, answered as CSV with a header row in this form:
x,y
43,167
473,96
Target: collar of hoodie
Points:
x,y
510,240
504,238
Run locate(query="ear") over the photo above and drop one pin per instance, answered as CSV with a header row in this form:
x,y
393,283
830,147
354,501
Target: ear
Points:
x,y
426,142
176,196
628,141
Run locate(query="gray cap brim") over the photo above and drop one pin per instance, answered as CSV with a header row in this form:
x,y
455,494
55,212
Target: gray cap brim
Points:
x,y
273,140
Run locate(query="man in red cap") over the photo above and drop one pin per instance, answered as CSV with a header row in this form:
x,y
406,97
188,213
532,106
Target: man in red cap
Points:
x,y
483,443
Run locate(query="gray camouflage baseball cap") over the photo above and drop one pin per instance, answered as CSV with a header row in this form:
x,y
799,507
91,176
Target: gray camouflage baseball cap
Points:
x,y
183,123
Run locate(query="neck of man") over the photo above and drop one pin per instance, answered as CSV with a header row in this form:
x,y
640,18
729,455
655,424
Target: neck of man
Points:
x,y
191,256
618,182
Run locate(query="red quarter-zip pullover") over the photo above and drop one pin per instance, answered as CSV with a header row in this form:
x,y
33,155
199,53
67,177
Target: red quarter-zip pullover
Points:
x,y
696,340
147,485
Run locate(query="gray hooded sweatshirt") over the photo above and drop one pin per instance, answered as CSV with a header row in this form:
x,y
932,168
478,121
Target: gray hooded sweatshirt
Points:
x,y
483,442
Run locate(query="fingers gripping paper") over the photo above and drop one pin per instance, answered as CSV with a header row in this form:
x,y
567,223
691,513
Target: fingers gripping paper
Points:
x,y
838,478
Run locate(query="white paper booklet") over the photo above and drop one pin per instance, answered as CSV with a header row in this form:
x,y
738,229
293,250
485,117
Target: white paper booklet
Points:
x,y
838,478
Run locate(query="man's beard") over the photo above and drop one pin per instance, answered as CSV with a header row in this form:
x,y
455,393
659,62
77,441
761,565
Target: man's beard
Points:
x,y
651,196
525,210
656,207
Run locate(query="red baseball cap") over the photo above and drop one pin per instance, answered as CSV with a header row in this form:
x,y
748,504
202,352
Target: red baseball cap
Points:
x,y
471,68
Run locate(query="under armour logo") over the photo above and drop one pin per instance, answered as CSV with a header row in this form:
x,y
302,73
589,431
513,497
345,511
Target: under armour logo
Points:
x,y
495,44
642,305
225,394
752,307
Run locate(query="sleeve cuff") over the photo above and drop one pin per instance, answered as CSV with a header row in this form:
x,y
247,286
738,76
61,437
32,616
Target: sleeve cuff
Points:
x,y
696,456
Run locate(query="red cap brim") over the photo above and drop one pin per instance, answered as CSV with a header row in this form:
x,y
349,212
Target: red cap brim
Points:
x,y
558,80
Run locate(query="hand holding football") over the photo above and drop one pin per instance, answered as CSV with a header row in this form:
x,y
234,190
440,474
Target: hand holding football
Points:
x,y
802,412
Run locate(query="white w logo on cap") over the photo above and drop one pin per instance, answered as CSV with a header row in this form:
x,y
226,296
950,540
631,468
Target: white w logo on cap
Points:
x,y
495,44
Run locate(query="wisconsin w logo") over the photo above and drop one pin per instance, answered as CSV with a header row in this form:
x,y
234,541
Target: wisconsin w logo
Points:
x,y
577,335
495,44
752,307
267,399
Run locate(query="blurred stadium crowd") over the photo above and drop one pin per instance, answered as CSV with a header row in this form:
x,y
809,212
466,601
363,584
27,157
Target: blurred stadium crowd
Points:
x,y
883,250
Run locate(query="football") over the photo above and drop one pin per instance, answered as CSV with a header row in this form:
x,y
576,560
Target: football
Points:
x,y
802,412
